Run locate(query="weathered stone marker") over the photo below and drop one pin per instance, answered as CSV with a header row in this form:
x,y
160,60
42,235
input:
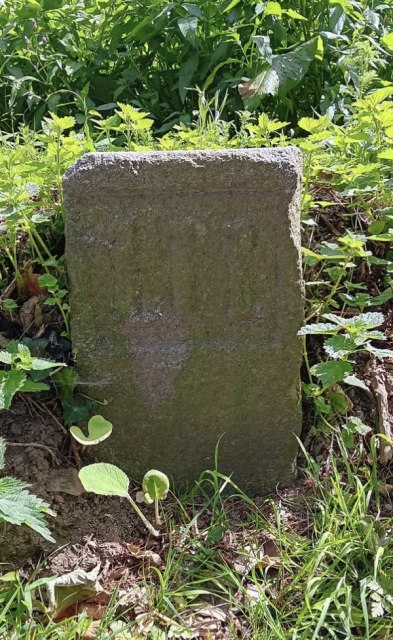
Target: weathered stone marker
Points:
x,y
186,298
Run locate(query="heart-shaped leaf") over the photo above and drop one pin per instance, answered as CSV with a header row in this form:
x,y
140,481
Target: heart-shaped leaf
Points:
x,y
98,429
104,479
155,486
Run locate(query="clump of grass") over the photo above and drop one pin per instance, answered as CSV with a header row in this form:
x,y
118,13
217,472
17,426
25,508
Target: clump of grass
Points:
x,y
314,563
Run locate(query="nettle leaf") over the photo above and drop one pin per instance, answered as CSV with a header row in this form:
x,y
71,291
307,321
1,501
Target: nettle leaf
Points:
x,y
47,281
39,364
338,320
364,321
98,429
104,479
10,383
318,328
331,372
383,237
5,357
354,381
155,485
361,322
338,346
357,425
18,506
30,386
379,353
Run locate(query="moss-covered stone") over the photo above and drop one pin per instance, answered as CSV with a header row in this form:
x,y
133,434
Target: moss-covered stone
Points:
x,y
186,298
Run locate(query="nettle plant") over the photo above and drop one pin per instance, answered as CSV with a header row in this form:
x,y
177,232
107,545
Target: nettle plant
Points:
x,y
348,337
24,372
19,506
107,479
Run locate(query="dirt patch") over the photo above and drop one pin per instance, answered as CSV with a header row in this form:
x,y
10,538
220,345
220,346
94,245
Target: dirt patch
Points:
x,y
39,452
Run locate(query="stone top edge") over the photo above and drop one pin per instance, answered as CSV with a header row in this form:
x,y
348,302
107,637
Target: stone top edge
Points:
x,y
289,157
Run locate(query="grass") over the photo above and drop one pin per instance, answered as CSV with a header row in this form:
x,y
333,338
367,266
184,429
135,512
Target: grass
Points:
x,y
314,563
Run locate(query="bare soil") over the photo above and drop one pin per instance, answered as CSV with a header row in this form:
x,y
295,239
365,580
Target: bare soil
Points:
x,y
39,452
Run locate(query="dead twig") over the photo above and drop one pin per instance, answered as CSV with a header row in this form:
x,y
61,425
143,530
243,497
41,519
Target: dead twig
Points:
x,y
35,445
381,384
42,406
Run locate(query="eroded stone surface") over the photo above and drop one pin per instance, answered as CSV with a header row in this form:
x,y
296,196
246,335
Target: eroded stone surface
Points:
x,y
186,298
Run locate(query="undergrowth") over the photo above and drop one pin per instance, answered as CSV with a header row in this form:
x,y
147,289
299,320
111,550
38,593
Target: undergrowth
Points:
x,y
310,563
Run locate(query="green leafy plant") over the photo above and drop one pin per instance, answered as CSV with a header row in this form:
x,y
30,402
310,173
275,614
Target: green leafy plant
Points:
x,y
18,506
98,429
155,487
348,337
108,480
22,367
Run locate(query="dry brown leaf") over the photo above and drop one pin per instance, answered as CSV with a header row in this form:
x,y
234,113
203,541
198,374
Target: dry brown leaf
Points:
x,y
247,88
92,630
31,313
143,554
30,284
385,489
271,556
250,557
92,610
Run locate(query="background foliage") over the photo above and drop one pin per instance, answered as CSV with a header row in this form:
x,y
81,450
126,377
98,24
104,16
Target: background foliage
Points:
x,y
291,56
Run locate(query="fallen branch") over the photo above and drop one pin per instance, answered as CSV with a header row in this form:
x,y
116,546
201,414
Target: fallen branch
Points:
x,y
381,384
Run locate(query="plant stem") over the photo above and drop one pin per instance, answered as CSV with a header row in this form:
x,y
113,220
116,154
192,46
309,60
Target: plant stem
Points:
x,y
157,513
147,524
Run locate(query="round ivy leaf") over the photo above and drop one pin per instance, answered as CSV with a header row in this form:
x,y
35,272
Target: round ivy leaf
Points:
x,y
155,486
98,428
104,479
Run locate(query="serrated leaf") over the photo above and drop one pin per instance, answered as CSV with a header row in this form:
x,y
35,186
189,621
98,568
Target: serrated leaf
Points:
x,y
365,321
331,372
30,386
18,506
354,381
155,485
10,383
317,328
5,357
98,429
380,353
338,346
357,425
104,479
47,281
338,320
39,364
382,237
